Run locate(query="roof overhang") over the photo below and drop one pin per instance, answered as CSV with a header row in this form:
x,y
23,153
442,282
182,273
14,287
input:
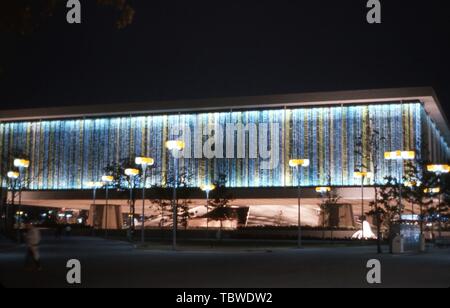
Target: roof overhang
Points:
x,y
424,94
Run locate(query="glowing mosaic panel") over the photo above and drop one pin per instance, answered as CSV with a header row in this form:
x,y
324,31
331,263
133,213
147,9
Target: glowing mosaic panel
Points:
x,y
65,154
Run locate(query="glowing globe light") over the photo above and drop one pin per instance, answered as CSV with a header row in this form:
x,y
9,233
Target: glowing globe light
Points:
x,y
299,163
435,190
131,172
323,189
207,187
107,178
438,168
361,174
175,145
144,161
21,163
13,175
400,155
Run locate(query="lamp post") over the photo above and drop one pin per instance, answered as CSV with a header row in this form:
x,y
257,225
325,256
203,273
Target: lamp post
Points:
x,y
107,180
175,146
362,175
21,164
131,173
94,186
413,185
144,162
207,188
439,170
12,176
298,164
400,157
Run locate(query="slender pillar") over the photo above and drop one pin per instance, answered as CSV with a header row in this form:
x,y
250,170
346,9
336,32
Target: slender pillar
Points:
x,y
299,235
174,204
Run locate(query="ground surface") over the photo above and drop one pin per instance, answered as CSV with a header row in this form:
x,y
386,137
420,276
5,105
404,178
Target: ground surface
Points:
x,y
118,264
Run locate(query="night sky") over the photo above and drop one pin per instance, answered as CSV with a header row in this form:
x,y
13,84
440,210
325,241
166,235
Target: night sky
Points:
x,y
195,49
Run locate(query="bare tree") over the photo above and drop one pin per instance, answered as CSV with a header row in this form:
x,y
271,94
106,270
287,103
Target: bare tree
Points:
x,y
418,191
385,207
14,186
367,147
123,183
329,204
220,199
163,196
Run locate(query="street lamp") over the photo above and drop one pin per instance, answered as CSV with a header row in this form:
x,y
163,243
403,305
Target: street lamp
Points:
x,y
94,186
298,164
323,190
13,175
107,180
439,170
435,190
399,157
362,175
175,146
21,164
131,173
207,188
144,162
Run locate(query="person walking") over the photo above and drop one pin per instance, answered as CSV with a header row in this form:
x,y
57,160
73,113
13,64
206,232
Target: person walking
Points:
x,y
68,230
33,239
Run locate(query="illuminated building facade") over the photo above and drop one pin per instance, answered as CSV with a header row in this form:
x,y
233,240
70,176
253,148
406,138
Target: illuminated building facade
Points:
x,y
67,153
69,147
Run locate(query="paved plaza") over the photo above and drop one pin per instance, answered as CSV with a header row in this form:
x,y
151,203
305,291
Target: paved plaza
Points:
x,y
108,263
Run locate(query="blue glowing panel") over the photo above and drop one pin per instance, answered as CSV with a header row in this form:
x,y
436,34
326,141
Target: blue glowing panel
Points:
x,y
252,148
